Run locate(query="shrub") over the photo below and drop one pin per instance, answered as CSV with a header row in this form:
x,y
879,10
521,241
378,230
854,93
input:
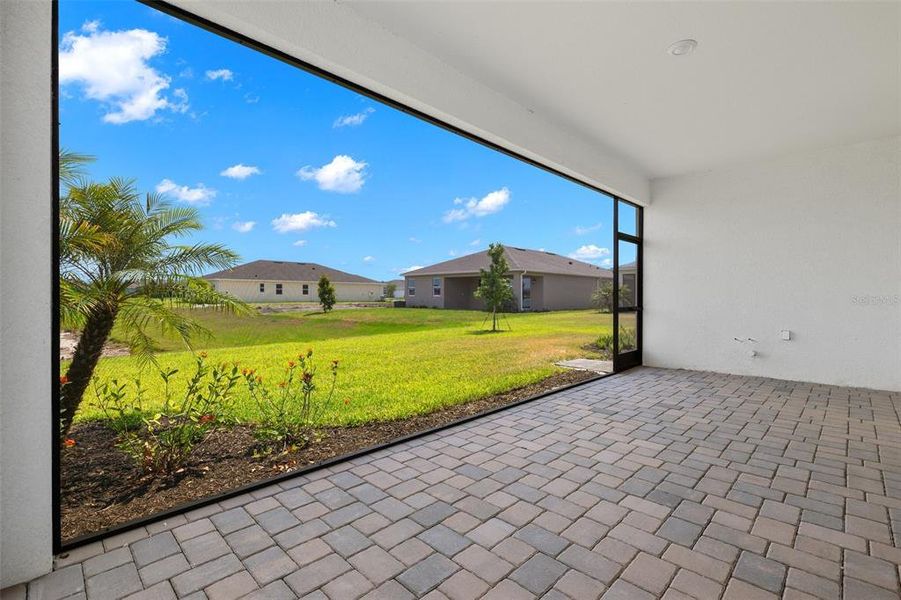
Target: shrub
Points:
x,y
290,410
626,341
163,443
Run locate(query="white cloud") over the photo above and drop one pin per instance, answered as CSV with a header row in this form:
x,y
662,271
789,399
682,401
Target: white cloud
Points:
x,y
240,171
223,74
353,120
251,98
200,195
607,263
343,175
243,226
488,205
301,222
113,68
475,242
368,259
415,240
452,253
408,269
580,230
589,252
300,243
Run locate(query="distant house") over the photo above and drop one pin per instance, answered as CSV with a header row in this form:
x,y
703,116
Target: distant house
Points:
x,y
541,281
285,281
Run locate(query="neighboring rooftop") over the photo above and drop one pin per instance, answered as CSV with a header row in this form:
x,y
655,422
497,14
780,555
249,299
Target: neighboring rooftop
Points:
x,y
283,270
520,260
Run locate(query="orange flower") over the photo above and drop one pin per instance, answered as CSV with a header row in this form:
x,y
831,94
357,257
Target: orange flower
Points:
x,y
69,442
292,364
207,418
346,401
63,380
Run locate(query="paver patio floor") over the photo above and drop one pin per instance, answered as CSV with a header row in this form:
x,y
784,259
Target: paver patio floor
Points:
x,y
653,483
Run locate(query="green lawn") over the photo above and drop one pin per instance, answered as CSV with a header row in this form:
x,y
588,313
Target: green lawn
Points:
x,y
394,362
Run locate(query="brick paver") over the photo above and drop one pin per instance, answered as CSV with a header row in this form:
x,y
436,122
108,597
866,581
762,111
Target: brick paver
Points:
x,y
650,484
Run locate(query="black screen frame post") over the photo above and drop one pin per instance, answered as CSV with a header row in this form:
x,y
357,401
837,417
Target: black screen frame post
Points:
x,y
191,18
54,281
633,358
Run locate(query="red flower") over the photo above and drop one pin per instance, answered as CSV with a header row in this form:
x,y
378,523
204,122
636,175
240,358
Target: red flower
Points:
x,y
63,380
207,418
69,442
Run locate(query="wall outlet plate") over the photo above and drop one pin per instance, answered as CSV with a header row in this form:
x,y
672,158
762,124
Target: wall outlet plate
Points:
x,y
786,335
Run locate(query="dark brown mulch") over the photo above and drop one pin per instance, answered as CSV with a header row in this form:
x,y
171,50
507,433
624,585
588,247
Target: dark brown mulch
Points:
x,y
101,487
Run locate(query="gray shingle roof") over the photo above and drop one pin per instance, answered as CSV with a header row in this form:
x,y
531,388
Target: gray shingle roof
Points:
x,y
282,270
519,259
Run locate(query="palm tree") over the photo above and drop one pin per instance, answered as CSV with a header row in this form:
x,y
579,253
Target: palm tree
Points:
x,y
117,266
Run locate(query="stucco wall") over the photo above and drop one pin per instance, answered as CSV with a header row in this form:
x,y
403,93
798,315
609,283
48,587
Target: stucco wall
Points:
x,y
292,291
459,293
562,292
810,243
423,297
25,304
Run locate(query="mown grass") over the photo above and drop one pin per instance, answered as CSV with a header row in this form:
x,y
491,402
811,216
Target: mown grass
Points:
x,y
394,363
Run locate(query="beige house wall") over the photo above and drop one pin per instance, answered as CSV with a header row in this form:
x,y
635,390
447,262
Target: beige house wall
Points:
x,y
248,290
423,298
562,292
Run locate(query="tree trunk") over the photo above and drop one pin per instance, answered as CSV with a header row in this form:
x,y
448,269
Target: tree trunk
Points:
x,y
87,352
494,320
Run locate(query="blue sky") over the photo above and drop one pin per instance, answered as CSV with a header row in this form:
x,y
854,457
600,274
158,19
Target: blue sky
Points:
x,y
284,165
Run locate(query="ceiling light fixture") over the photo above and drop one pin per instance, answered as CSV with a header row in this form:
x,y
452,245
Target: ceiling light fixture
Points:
x,y
682,47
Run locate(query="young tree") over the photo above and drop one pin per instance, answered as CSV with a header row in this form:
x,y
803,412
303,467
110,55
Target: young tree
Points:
x,y
326,294
494,286
602,297
389,290
117,265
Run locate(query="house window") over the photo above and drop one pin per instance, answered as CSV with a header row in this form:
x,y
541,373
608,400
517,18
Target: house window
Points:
x,y
278,289
262,288
411,288
436,286
305,290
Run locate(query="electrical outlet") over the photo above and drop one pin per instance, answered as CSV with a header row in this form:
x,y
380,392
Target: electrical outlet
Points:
x,y
786,335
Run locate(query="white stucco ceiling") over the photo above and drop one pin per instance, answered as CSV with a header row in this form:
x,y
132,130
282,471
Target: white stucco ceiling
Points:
x,y
767,78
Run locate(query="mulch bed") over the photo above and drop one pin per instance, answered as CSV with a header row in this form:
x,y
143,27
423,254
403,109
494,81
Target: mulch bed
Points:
x,y
102,488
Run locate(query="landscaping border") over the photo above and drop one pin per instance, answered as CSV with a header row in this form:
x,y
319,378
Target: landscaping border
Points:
x,y
187,506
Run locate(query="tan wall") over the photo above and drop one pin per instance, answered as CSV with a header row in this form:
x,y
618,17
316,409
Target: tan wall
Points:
x,y
423,297
292,291
561,292
460,293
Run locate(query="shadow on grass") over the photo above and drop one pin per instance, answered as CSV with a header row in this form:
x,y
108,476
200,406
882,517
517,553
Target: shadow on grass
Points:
x,y
486,331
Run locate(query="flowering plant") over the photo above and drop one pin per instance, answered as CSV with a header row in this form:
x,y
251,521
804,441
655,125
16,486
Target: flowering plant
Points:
x,y
163,442
291,408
